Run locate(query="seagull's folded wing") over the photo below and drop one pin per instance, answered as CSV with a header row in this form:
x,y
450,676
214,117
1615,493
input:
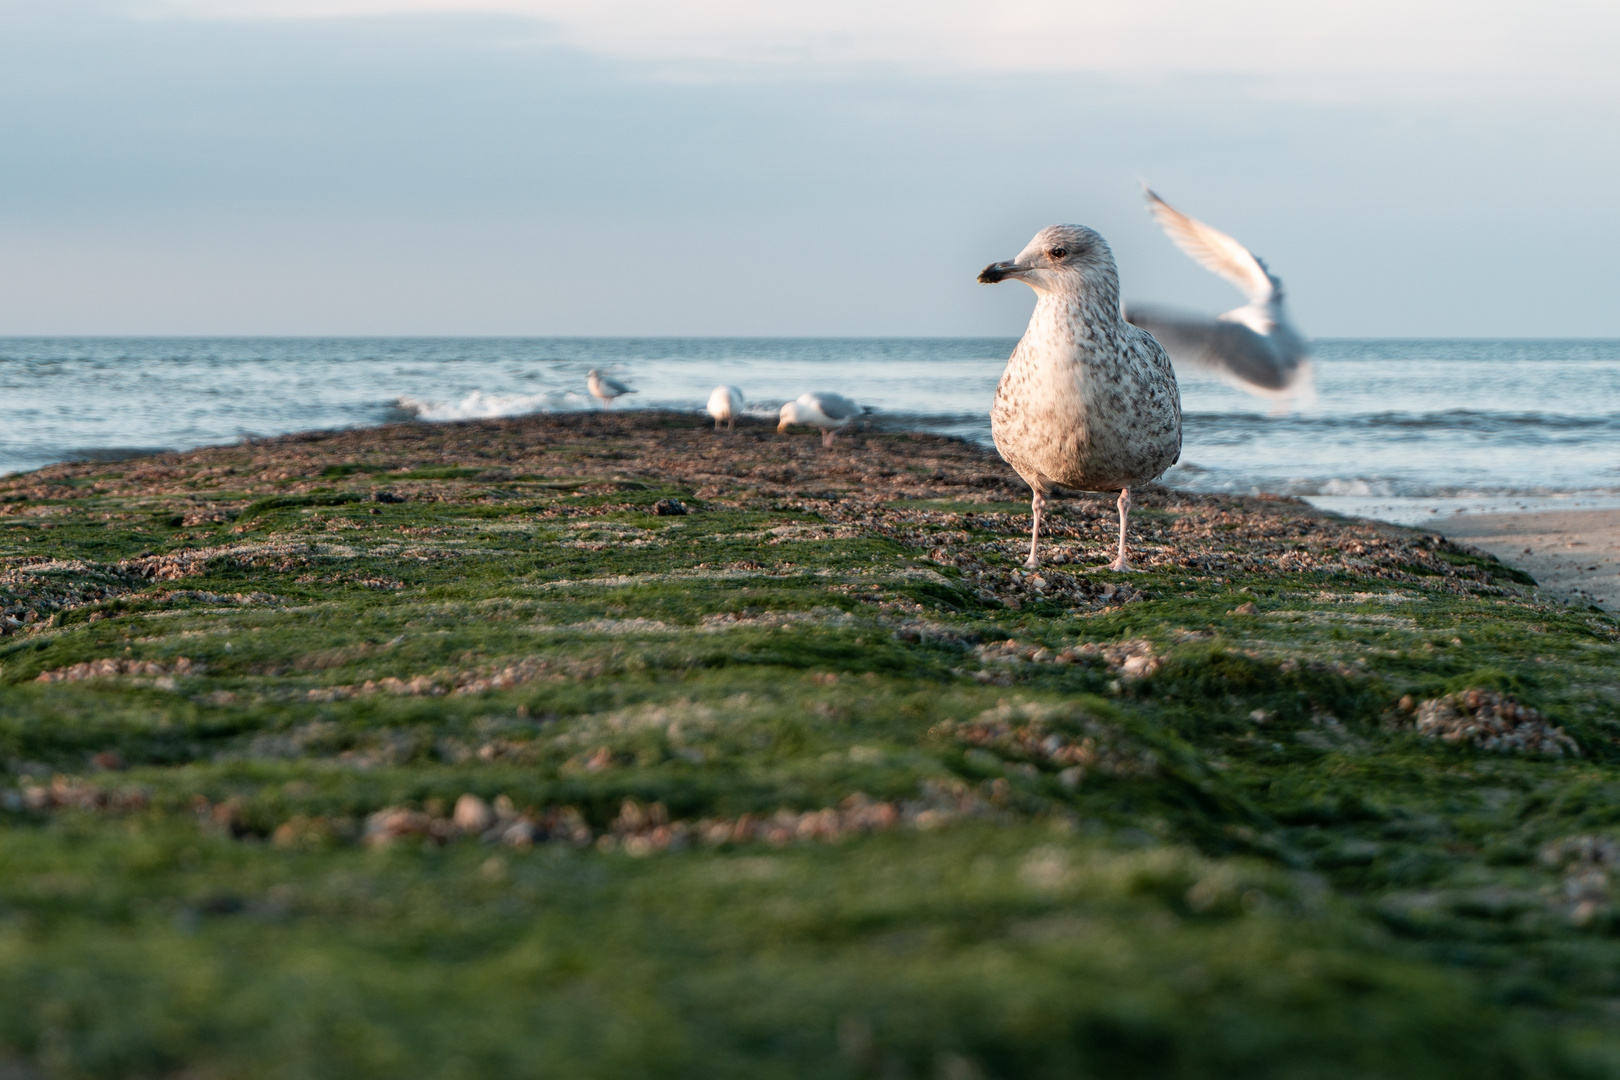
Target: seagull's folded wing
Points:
x,y
1214,250
834,406
1227,347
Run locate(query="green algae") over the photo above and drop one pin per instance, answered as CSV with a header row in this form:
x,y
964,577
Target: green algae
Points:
x,y
1178,827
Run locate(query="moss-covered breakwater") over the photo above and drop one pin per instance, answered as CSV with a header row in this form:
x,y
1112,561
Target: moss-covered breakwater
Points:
x,y
606,746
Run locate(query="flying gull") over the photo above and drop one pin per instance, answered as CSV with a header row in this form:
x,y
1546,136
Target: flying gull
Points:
x,y
725,403
1254,346
605,388
827,411
1087,401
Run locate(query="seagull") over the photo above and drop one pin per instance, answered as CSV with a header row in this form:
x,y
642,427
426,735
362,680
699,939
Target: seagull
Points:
x,y
827,411
605,388
1088,401
1254,346
725,402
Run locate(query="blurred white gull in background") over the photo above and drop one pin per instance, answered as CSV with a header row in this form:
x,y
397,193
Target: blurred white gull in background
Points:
x,y
725,403
605,388
827,411
1253,346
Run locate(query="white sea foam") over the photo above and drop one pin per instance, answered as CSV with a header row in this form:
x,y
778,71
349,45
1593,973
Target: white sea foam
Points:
x,y
1428,511
481,406
1338,486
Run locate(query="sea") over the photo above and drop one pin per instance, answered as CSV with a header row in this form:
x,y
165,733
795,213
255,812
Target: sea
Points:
x,y
1403,430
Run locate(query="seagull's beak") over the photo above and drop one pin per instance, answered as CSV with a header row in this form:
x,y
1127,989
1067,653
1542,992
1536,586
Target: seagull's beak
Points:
x,y
782,425
1001,271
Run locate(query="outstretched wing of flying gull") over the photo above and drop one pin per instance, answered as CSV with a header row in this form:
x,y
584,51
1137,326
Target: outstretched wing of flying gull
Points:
x,y
1255,346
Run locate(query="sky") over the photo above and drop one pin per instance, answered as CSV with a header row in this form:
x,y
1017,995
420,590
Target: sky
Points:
x,y
841,167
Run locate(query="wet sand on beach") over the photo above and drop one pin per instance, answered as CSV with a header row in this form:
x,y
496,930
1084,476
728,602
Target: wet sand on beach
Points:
x,y
1573,553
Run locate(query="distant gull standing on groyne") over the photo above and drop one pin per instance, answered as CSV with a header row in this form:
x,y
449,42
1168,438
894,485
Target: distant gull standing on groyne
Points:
x,y
1088,401
605,388
725,403
1254,346
827,411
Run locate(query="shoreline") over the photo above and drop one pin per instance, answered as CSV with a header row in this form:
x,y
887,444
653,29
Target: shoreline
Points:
x,y
1572,554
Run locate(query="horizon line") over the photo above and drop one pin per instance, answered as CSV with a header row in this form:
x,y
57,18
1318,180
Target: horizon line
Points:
x,y
722,337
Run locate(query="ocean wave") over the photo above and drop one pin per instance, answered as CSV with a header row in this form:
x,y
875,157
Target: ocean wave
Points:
x,y
1518,423
1191,477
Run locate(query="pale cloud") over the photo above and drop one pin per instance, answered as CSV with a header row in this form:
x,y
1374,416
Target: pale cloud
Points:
x,y
1531,46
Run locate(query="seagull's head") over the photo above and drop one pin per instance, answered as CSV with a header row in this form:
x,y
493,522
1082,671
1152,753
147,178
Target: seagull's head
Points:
x,y
788,414
1061,258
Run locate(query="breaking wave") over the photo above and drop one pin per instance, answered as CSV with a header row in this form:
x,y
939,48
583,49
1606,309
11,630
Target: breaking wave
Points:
x,y
481,406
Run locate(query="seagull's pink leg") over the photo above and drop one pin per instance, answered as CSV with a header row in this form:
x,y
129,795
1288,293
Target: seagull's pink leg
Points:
x,y
1036,505
1124,511
827,437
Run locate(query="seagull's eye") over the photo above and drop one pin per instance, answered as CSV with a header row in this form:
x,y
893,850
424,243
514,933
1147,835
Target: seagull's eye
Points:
x,y
1057,253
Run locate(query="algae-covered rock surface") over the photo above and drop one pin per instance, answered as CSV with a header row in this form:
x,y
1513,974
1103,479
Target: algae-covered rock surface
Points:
x,y
606,746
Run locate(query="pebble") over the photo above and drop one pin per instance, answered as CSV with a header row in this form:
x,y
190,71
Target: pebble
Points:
x,y
472,814
1135,659
65,791
395,823
521,834
109,668
1491,721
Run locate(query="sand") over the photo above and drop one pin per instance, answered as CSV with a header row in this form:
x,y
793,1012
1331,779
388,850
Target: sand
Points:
x,y
1571,553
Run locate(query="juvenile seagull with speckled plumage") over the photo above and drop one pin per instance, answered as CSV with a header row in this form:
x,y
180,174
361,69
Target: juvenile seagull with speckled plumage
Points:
x,y
1088,401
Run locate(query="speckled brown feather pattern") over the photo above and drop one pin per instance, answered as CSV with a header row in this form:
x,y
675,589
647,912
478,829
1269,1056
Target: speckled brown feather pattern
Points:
x,y
1088,401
